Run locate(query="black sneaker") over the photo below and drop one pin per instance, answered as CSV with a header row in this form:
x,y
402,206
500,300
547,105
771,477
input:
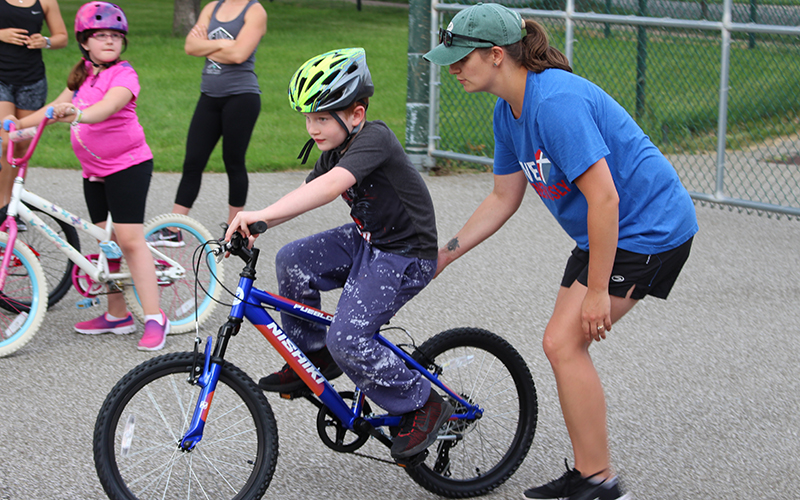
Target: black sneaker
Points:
x,y
610,489
572,486
419,428
569,483
287,380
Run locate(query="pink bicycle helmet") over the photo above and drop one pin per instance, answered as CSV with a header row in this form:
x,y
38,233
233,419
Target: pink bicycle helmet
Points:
x,y
100,16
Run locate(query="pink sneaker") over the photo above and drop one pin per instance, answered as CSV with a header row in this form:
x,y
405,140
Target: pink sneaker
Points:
x,y
101,324
155,335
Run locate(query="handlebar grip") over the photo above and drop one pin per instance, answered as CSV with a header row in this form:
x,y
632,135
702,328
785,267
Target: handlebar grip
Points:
x,y
49,112
7,125
257,227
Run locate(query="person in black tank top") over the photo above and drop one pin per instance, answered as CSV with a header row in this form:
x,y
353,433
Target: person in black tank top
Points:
x,y
23,86
227,35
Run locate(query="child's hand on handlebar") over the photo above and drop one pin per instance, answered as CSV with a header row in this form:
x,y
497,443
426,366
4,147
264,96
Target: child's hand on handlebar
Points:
x,y
12,119
241,223
64,111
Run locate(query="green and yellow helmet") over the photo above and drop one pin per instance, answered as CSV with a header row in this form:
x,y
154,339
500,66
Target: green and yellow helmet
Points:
x,y
331,81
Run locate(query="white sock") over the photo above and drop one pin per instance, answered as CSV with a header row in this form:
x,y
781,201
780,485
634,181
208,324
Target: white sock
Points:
x,y
109,317
154,317
607,482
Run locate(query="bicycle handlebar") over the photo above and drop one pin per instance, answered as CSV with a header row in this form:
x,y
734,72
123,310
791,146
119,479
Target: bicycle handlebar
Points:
x,y
238,243
25,133
33,133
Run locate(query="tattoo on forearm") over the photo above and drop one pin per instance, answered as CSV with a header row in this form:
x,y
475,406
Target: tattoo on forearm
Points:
x,y
452,245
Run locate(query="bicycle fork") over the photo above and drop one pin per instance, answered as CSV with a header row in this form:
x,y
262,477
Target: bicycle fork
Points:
x,y
208,383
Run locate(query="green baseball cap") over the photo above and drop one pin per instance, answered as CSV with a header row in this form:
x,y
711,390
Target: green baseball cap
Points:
x,y
482,25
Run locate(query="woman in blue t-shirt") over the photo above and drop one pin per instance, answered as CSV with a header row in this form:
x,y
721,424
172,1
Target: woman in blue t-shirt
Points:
x,y
604,181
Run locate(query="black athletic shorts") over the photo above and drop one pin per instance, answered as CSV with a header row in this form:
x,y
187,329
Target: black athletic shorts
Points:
x,y
122,193
651,274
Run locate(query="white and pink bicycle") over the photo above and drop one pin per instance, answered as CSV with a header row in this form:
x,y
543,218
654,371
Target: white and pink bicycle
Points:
x,y
49,258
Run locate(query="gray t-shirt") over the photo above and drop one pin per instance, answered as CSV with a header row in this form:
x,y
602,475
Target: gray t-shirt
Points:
x,y
222,80
390,202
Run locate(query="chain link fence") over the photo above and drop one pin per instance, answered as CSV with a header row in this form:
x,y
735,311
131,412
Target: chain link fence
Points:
x,y
715,86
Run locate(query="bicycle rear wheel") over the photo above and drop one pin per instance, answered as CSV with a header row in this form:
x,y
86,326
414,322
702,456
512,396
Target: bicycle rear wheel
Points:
x,y
56,265
139,426
484,369
23,299
178,296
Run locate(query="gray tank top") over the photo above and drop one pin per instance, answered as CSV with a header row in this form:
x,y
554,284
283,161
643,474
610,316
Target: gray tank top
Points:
x,y
222,80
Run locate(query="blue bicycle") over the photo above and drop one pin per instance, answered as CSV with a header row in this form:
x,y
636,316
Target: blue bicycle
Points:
x,y
192,425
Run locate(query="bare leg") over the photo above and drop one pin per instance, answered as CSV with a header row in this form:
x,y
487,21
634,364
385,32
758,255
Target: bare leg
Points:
x,y
180,209
232,211
7,173
579,389
140,261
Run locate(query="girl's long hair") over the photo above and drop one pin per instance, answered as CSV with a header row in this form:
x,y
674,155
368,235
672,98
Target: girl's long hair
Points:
x,y
534,52
79,72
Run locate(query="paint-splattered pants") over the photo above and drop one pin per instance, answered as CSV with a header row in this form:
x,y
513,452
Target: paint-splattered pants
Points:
x,y
375,285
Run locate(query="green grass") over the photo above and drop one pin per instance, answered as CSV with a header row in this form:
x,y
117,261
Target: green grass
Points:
x,y
170,79
681,90
680,111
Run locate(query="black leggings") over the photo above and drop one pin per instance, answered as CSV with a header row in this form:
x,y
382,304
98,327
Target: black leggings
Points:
x,y
233,118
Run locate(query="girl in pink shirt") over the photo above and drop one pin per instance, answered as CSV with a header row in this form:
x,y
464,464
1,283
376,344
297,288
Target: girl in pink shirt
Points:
x,y
100,103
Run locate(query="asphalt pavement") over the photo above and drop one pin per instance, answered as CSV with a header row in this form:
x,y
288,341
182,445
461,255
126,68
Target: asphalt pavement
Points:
x,y
703,389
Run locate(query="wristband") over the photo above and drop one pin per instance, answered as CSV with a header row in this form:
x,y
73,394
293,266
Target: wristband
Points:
x,y
78,116
47,41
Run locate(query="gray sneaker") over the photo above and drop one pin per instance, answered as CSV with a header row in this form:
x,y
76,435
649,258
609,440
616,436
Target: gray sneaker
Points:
x,y
165,237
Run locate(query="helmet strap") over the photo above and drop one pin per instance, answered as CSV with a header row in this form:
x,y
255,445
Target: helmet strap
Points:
x,y
87,57
306,151
350,133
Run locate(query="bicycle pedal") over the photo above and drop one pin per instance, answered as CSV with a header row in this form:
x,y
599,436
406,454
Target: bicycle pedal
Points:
x,y
299,393
413,461
111,249
87,303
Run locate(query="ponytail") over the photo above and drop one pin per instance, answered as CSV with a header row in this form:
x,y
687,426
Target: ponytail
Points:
x,y
79,72
78,75
534,52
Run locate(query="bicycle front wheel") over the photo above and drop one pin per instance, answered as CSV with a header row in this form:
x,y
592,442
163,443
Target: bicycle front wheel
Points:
x,y
485,370
178,300
145,415
23,299
56,265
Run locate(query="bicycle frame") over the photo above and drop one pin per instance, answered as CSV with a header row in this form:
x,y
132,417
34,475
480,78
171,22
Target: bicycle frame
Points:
x,y
99,272
248,304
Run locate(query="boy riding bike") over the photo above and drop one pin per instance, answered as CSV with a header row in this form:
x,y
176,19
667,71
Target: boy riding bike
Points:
x,y
381,261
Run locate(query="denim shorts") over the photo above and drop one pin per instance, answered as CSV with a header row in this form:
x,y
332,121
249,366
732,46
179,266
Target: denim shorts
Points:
x,y
28,97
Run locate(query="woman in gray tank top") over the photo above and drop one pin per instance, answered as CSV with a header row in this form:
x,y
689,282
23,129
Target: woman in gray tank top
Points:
x,y
227,35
